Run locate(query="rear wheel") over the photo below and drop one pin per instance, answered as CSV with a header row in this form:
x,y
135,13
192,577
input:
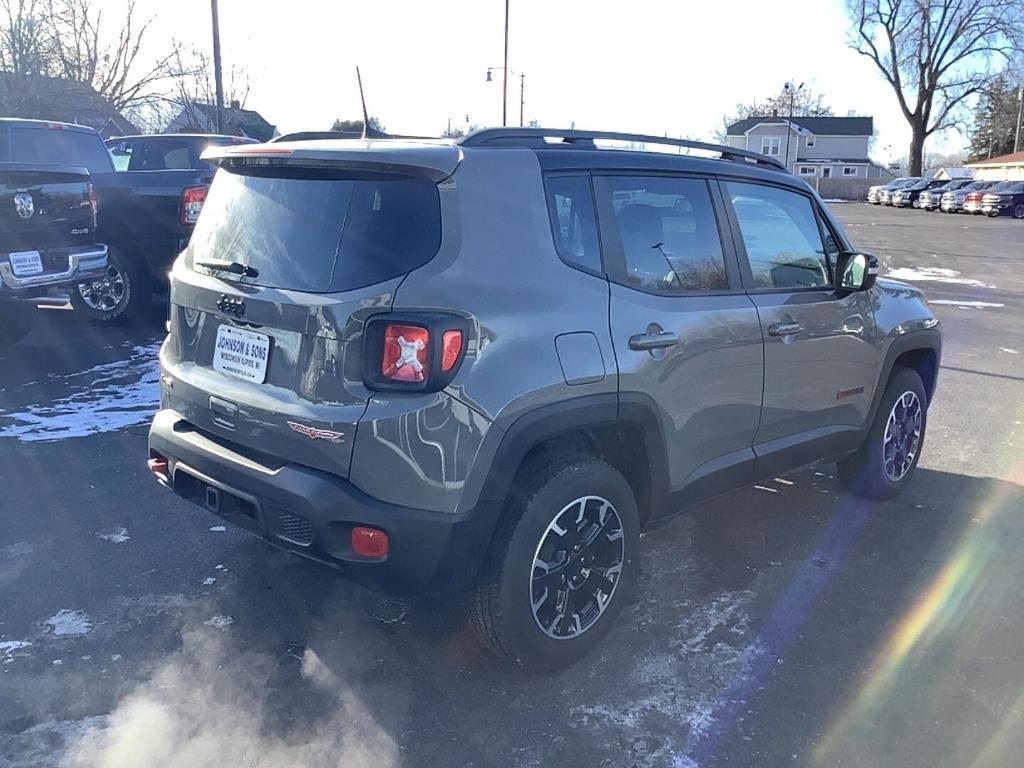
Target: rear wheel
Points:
x,y
561,565
123,293
15,322
886,460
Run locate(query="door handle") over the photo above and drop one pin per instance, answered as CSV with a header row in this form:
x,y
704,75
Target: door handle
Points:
x,y
784,329
645,342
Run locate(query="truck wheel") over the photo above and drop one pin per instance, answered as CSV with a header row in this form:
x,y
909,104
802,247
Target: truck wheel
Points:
x,y
884,463
15,322
561,565
124,292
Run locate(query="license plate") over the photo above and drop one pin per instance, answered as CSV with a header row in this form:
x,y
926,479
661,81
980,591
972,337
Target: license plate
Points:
x,y
26,263
241,353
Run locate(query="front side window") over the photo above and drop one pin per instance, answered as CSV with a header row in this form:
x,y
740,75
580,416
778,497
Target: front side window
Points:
x,y
669,233
771,146
571,208
781,236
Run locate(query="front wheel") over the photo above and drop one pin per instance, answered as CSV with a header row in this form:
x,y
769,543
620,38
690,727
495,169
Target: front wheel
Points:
x,y
886,460
1018,211
562,563
122,293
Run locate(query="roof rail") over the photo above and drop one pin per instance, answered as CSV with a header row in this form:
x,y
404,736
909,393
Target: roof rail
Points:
x,y
536,137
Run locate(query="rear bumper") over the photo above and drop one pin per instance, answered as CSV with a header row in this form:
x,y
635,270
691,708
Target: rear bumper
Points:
x,y
312,513
83,264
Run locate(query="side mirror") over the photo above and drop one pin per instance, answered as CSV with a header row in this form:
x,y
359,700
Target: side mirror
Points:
x,y
856,271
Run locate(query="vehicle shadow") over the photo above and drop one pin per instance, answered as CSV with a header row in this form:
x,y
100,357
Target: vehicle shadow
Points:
x,y
786,619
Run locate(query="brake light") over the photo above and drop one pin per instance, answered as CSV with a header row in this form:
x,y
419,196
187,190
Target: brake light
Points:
x,y
191,205
406,352
369,542
91,199
451,345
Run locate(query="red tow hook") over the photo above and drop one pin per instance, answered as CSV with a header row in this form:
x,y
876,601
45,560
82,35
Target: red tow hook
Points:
x,y
158,465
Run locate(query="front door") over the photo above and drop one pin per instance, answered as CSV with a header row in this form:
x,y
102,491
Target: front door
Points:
x,y
819,343
686,336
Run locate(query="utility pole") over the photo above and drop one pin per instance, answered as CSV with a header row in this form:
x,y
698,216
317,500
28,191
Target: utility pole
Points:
x,y
789,128
504,75
522,99
216,67
1020,115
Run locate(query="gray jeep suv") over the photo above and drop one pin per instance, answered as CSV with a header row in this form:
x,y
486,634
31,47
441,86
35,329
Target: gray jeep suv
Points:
x,y
491,363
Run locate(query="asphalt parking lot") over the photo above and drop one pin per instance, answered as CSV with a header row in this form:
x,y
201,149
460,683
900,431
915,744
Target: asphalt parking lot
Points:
x,y
787,624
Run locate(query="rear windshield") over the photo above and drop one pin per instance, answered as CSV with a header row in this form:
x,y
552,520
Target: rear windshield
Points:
x,y
54,146
317,231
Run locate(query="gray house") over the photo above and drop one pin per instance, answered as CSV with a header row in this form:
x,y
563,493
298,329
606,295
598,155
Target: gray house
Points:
x,y
822,147
199,117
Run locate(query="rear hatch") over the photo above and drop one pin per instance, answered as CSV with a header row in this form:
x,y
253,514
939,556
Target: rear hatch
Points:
x,y
296,247
44,207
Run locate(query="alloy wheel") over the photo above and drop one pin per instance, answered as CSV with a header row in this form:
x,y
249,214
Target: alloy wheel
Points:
x,y
1018,211
902,436
577,567
105,294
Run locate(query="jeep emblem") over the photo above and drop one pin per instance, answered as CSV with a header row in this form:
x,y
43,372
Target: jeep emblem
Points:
x,y
24,205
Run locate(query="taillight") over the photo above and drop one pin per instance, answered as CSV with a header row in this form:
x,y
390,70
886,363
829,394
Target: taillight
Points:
x,y
413,352
191,205
406,350
451,346
369,542
91,198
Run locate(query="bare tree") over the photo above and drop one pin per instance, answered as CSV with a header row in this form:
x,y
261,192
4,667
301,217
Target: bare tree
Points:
x,y
935,55
111,66
190,88
807,102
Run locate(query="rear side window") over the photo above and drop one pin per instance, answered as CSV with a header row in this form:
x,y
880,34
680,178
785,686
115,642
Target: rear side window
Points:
x,y
56,146
317,231
571,207
781,235
160,155
669,233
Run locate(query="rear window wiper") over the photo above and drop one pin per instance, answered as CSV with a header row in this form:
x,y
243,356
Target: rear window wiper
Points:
x,y
234,267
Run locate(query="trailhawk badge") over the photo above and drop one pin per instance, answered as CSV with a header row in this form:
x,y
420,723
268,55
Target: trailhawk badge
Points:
x,y
24,205
315,434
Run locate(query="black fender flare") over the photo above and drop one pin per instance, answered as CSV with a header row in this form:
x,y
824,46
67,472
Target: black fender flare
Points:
x,y
925,338
503,450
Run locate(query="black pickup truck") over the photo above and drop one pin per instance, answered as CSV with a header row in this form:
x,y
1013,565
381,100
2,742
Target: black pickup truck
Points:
x,y
47,238
150,190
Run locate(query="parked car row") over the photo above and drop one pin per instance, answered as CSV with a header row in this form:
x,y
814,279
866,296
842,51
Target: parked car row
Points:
x,y
989,197
103,221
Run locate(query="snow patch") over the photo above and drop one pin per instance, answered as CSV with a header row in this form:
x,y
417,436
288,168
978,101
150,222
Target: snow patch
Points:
x,y
105,398
1009,351
9,648
220,621
70,623
116,536
218,528
208,581
965,304
935,275
15,550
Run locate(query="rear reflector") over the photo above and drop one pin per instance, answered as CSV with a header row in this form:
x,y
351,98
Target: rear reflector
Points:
x,y
405,352
192,199
369,542
451,345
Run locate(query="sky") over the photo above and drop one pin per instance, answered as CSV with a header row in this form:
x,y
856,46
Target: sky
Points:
x,y
672,67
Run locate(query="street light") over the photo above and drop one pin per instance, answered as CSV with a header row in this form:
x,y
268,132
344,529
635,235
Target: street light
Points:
x,y
788,88
522,88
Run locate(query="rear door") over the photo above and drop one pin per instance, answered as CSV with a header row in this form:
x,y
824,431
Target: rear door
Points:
x,y
272,360
686,336
820,350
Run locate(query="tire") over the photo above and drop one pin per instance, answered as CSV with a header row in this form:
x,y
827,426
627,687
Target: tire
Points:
x,y
509,602
123,294
16,320
1018,211
881,468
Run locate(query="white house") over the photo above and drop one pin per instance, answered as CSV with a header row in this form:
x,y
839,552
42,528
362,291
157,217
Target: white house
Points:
x,y
949,173
826,147
998,168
